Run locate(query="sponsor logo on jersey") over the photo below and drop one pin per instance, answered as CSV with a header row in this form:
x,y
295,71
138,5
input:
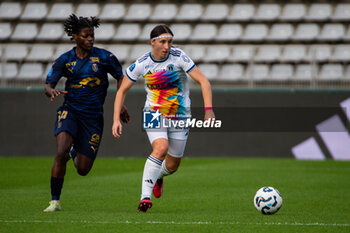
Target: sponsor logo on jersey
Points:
x,y
185,58
95,59
132,67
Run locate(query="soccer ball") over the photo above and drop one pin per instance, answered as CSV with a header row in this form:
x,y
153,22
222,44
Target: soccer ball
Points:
x,y
267,200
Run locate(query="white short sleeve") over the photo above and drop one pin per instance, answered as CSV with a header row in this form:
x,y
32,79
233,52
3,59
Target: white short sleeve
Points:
x,y
186,62
134,71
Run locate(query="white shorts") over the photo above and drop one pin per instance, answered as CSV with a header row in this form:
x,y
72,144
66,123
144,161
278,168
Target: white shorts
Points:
x,y
176,137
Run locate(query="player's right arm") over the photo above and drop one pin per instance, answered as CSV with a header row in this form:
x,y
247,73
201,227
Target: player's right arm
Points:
x,y
118,103
54,75
51,92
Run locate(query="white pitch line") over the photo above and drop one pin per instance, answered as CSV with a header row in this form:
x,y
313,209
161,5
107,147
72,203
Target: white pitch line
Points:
x,y
181,223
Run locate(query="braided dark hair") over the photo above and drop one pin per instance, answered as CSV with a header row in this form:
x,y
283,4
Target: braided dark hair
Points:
x,y
73,24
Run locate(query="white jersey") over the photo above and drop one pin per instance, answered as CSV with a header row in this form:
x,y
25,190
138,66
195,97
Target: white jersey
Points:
x,y
166,82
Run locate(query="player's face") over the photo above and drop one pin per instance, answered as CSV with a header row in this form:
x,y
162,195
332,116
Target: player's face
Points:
x,y
161,46
85,38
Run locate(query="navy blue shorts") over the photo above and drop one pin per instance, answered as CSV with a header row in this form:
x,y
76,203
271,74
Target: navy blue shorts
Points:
x,y
86,132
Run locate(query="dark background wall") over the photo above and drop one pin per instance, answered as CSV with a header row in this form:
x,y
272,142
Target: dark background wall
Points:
x,y
27,122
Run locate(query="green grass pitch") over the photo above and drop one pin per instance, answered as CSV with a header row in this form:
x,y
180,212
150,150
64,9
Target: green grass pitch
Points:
x,y
205,195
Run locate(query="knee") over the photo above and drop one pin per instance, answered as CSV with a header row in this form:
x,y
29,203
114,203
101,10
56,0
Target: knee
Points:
x,y
160,150
83,171
172,167
62,156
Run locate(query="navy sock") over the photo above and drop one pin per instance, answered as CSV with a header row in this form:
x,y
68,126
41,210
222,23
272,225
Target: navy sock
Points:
x,y
56,187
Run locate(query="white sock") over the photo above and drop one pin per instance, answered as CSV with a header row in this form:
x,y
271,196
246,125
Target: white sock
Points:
x,y
150,175
164,171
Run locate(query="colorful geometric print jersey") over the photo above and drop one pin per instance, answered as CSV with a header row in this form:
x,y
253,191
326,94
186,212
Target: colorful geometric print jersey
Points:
x,y
87,79
166,82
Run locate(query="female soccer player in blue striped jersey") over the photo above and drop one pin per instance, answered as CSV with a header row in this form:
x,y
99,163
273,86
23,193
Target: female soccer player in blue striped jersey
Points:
x,y
79,123
164,72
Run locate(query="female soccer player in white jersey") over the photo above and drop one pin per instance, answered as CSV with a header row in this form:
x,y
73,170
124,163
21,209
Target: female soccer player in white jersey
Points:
x,y
164,72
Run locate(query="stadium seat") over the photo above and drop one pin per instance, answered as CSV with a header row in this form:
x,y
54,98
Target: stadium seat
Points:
x,y
304,72
34,11
331,72
40,52
10,10
10,70
242,53
146,31
164,12
281,72
332,32
204,32
88,9
5,31
181,31
231,72
47,70
60,11
342,12
104,32
215,12
306,32
113,11
341,53
320,52
241,12
15,52
128,31
25,31
319,12
347,73
138,12
293,12
268,53
346,37
229,32
280,32
195,52
267,12
137,51
190,12
50,31
31,71
217,53
61,49
255,32
121,51
259,72
211,71
293,53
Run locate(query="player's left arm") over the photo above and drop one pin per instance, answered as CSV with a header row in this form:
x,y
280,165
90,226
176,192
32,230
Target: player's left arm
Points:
x,y
200,78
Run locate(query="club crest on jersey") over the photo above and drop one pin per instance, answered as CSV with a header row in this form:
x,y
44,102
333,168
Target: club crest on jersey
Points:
x,y
171,67
94,67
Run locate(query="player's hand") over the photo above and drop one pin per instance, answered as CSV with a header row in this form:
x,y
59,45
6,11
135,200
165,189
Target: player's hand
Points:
x,y
124,115
209,114
117,129
53,93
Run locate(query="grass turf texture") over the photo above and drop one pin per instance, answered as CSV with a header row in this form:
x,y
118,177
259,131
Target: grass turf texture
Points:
x,y
205,195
